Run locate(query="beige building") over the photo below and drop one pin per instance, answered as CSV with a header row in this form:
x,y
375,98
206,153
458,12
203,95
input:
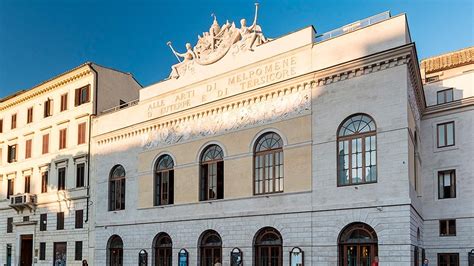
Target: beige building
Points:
x,y
45,206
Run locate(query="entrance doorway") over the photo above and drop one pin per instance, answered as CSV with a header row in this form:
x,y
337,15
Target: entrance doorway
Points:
x,y
211,248
163,250
357,245
26,250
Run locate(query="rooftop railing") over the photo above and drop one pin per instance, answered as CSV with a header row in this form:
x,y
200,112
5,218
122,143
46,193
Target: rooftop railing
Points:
x,y
353,26
120,107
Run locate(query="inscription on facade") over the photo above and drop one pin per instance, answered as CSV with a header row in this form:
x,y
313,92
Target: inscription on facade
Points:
x,y
256,77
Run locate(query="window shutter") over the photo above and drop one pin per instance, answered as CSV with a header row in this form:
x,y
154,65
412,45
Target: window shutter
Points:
x,y
171,187
77,97
220,180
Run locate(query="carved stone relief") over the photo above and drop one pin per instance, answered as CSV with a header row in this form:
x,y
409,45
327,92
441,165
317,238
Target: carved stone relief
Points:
x,y
248,115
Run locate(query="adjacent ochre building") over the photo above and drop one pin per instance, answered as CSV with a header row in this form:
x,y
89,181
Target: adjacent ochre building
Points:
x,y
332,149
45,202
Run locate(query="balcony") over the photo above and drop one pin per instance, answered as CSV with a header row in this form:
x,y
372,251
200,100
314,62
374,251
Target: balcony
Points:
x,y
20,202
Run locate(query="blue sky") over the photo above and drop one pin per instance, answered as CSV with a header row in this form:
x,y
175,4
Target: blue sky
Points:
x,y
43,38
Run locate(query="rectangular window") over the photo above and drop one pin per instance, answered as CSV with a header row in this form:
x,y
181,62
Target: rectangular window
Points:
x,y
445,134
64,102
62,178
60,221
445,96
78,252
29,116
27,183
43,222
9,224
48,104
447,227
42,251
1,125
45,148
62,138
10,188
448,259
80,173
432,79
44,182
59,253
447,184
13,121
28,144
12,153
81,95
81,133
26,218
79,219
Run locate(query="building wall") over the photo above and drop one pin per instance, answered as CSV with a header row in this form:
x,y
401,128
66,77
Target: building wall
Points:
x,y
67,201
457,74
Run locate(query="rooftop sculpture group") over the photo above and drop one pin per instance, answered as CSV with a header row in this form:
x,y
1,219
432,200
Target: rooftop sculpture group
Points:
x,y
215,44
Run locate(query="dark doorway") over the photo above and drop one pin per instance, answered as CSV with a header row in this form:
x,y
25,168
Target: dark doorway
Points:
x,y
163,247
26,250
268,245
358,245
211,248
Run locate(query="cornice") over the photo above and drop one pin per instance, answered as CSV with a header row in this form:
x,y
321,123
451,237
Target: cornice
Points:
x,y
249,99
440,108
403,55
43,88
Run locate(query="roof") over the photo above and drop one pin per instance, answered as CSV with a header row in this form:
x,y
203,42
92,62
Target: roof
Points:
x,y
8,97
449,60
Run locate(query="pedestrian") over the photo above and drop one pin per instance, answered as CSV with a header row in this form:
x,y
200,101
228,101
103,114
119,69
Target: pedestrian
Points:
x,y
425,262
375,262
84,263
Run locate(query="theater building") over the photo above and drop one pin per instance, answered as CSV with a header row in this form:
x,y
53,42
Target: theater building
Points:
x,y
45,206
302,149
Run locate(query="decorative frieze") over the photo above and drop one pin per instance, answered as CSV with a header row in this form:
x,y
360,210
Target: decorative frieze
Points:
x,y
249,112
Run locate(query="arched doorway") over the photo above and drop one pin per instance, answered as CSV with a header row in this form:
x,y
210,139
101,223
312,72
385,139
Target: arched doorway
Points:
x,y
357,245
211,248
115,249
163,249
268,247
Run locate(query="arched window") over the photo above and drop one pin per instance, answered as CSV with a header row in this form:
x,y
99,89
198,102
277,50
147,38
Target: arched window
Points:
x,y
210,248
212,173
115,250
357,245
268,164
164,181
357,152
117,188
163,248
268,247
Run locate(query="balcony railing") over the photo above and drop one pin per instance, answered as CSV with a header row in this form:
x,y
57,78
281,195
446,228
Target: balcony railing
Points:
x,y
19,202
120,107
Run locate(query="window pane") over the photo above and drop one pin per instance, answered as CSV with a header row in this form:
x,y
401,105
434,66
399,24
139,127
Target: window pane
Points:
x,y
440,97
449,95
450,134
441,136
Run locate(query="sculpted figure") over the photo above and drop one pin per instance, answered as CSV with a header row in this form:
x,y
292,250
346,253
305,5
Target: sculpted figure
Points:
x,y
188,56
251,34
